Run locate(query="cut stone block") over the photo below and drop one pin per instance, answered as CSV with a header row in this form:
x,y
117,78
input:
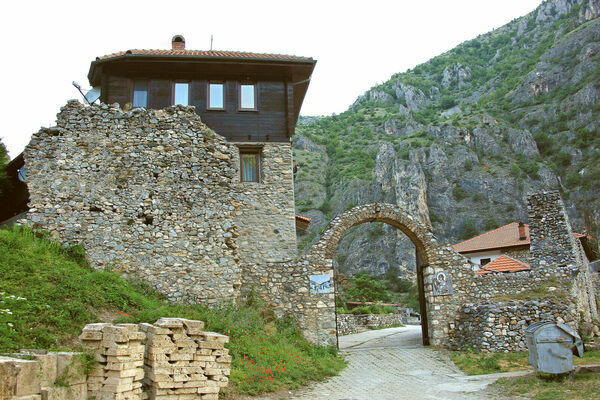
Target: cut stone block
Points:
x,y
69,367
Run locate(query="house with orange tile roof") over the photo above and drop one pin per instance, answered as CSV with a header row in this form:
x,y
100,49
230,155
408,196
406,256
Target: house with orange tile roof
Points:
x,y
503,263
511,242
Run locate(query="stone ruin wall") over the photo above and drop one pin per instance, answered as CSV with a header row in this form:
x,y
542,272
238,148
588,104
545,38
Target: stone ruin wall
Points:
x,y
266,221
500,326
552,239
350,323
559,287
172,359
156,195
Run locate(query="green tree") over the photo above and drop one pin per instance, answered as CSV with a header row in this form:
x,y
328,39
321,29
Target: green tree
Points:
x,y
366,288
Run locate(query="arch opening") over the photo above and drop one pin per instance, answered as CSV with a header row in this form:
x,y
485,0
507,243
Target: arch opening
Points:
x,y
421,237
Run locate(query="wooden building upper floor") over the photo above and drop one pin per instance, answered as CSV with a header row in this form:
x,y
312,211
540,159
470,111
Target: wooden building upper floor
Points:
x,y
245,97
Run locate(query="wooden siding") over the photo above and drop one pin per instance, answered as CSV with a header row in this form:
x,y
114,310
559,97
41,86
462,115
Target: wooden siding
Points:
x,y
273,120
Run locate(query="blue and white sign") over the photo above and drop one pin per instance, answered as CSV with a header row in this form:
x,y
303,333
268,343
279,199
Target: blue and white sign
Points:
x,y
320,284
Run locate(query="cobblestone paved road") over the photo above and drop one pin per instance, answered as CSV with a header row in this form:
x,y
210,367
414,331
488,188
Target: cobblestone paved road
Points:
x,y
391,364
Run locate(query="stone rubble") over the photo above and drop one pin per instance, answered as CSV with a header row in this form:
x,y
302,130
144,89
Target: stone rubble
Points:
x,y
173,359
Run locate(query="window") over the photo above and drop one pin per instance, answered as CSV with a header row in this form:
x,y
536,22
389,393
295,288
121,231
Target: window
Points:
x,y
182,93
140,93
484,261
215,96
247,97
249,166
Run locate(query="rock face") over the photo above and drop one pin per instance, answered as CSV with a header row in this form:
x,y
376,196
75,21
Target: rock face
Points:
x,y
461,140
157,196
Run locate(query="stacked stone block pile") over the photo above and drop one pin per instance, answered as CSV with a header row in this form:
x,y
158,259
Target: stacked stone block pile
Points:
x,y
174,359
184,362
120,355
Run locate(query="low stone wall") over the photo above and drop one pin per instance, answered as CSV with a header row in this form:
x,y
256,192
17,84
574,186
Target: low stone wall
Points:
x,y
496,286
350,323
37,375
494,327
171,359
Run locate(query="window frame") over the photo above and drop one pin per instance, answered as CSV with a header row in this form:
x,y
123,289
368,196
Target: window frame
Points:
x,y
257,151
189,84
208,106
147,81
485,261
239,92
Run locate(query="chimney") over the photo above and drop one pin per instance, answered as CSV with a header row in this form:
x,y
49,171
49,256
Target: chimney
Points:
x,y
178,42
522,232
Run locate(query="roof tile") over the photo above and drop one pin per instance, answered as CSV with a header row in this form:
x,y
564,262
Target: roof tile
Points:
x,y
499,238
206,53
505,236
503,263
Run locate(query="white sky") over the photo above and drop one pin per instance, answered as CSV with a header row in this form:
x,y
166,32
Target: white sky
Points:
x,y
358,44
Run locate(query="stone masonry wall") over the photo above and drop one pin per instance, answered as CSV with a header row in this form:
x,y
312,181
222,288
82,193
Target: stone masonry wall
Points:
x,y
495,327
559,287
156,195
266,220
499,286
286,288
350,323
552,240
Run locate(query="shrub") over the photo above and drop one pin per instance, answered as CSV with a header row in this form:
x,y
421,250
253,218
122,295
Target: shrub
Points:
x,y
468,229
459,193
367,288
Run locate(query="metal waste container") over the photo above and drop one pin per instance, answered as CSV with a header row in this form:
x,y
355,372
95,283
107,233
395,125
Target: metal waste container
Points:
x,y
551,347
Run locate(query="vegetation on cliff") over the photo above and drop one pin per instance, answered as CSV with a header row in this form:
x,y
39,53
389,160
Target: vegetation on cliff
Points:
x,y
473,130
49,292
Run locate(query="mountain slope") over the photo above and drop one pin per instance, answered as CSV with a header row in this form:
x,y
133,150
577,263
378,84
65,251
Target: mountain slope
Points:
x,y
460,140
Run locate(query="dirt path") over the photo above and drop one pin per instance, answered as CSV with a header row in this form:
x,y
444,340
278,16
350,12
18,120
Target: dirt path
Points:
x,y
391,364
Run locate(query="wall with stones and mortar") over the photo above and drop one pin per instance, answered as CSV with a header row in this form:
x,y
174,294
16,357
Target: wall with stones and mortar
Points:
x,y
520,253
500,326
156,195
552,239
350,323
285,286
559,279
553,243
266,219
499,286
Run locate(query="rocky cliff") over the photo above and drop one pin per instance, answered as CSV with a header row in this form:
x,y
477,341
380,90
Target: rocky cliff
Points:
x,y
460,140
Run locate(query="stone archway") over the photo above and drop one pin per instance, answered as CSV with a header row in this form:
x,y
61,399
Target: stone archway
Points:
x,y
437,304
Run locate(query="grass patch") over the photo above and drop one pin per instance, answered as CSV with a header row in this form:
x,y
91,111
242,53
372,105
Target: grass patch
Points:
x,y
473,362
581,386
49,293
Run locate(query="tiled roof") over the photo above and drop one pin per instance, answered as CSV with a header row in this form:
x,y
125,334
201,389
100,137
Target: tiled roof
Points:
x,y
499,238
503,263
505,236
206,54
301,218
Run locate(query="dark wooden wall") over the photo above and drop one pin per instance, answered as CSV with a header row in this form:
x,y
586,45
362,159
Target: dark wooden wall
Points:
x,y
269,123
